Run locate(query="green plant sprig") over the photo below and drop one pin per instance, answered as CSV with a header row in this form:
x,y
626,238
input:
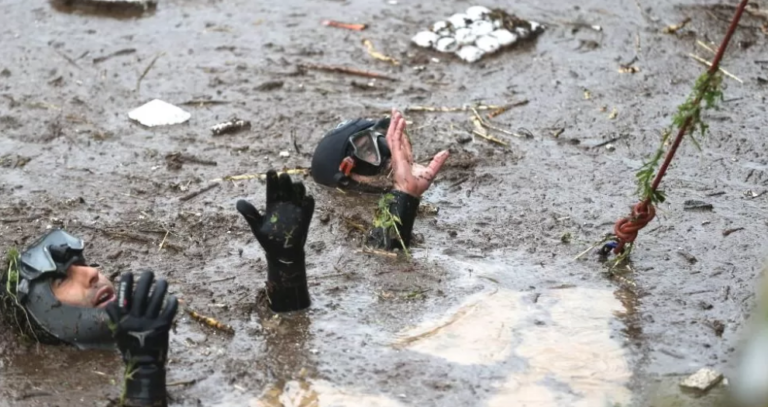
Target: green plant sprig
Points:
x,y
387,221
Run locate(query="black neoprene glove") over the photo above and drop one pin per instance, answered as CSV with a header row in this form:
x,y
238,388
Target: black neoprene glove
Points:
x,y
141,327
282,231
403,209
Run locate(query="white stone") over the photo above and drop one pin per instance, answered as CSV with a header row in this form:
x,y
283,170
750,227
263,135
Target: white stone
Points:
x,y
504,37
158,113
285,154
702,380
478,12
482,27
459,20
488,44
522,32
470,53
535,26
464,36
426,39
447,44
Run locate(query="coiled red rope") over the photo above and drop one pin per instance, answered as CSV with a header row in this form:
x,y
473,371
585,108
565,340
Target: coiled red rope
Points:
x,y
626,228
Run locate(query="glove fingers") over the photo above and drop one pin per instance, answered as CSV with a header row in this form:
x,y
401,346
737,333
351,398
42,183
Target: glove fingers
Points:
x,y
286,188
124,293
113,312
307,209
250,214
273,189
156,301
169,312
299,193
140,296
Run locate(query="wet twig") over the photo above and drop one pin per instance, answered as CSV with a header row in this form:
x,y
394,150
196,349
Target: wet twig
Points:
x,y
262,176
709,64
210,322
121,52
378,55
198,192
348,26
147,69
346,70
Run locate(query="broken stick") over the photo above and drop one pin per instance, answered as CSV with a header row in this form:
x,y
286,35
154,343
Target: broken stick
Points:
x,y
348,71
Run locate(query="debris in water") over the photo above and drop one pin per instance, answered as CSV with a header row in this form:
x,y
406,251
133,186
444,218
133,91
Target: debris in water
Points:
x,y
703,380
428,209
687,256
674,28
115,4
727,232
159,113
694,205
345,70
378,55
232,126
337,24
208,321
478,32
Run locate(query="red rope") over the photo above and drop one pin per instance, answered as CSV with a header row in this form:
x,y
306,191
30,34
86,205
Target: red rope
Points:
x,y
626,228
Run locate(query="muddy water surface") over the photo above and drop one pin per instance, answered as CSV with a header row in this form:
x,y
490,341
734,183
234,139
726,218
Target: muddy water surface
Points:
x,y
492,310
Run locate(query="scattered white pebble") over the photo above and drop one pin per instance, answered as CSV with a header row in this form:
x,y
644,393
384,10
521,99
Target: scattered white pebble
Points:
x,y
435,60
426,39
447,44
610,147
535,26
392,2
504,37
470,53
285,154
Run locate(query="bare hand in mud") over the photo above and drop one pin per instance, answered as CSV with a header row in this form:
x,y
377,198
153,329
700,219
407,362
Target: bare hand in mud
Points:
x,y
282,229
411,178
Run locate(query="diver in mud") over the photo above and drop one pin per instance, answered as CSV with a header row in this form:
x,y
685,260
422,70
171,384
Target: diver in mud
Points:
x,y
358,156
355,155
51,294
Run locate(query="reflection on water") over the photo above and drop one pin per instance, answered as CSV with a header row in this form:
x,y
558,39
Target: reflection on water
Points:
x,y
319,394
564,340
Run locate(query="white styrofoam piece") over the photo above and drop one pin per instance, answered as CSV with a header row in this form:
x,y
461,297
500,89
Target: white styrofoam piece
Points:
x,y
478,12
504,37
470,53
426,39
464,36
459,20
482,27
158,113
447,44
488,44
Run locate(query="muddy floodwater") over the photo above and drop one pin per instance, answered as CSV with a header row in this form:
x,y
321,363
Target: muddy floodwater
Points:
x,y
492,309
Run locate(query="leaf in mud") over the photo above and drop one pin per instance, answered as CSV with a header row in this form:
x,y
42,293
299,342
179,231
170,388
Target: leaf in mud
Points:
x,y
273,219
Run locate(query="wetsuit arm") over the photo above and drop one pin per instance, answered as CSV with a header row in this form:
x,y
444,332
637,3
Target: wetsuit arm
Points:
x,y
404,207
287,282
144,385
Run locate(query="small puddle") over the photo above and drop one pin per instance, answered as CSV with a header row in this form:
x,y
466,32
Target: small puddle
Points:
x,y
564,341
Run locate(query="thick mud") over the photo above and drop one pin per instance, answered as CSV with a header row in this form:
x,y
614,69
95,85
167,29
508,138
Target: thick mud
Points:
x,y
492,310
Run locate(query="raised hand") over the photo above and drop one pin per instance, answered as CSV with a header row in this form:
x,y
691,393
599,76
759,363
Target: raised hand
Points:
x,y
282,231
409,177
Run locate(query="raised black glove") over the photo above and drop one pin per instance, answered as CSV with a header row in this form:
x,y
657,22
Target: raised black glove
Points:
x,y
282,231
141,332
402,207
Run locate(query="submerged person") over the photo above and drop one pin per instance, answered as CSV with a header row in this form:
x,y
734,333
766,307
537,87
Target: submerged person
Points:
x,y
357,155
59,298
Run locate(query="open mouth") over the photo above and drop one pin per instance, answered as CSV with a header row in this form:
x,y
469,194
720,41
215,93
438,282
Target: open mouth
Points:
x,y
104,296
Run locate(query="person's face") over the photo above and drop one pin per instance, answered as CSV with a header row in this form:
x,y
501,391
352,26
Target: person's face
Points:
x,y
84,287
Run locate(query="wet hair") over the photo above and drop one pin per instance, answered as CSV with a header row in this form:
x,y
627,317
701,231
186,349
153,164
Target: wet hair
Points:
x,y
13,315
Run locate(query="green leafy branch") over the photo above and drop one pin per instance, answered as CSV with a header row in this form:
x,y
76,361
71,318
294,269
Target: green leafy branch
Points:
x,y
387,221
707,89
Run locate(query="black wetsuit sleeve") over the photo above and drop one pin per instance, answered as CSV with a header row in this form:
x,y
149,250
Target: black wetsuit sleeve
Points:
x,y
403,207
145,385
287,282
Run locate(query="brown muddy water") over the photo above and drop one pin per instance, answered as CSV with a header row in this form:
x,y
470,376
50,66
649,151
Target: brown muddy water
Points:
x,y
492,310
